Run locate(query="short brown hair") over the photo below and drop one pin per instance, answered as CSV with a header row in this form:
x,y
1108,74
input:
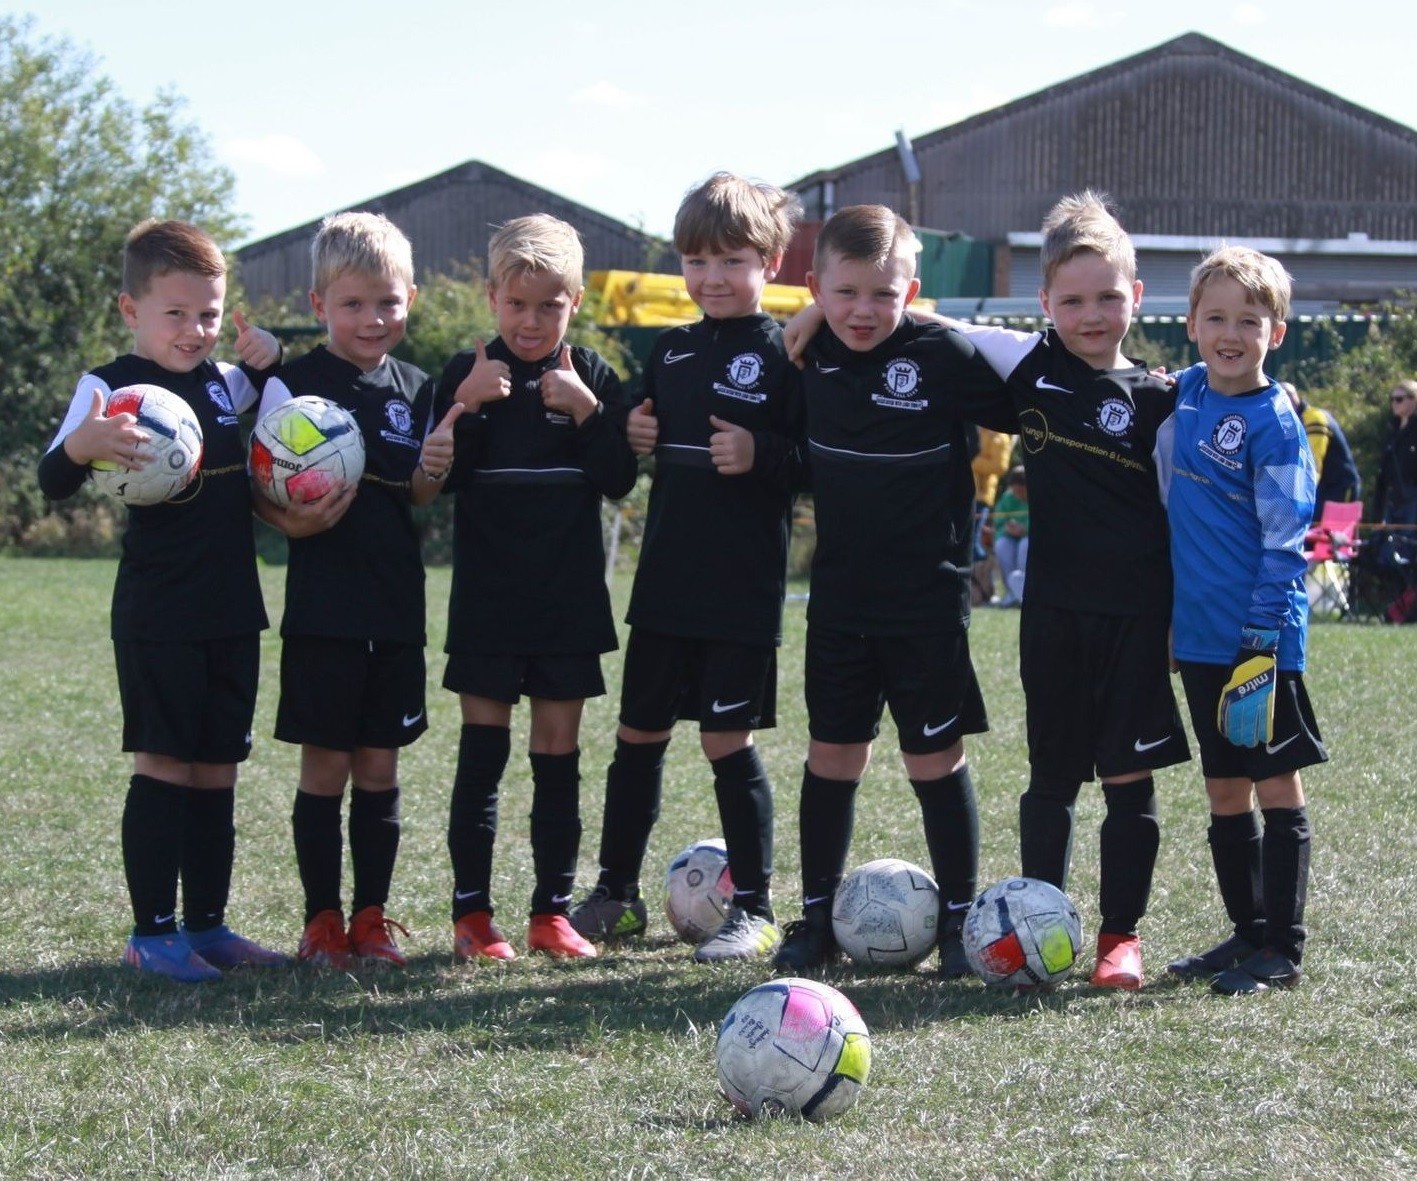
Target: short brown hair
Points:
x,y
155,248
366,243
539,244
866,233
1085,221
1263,278
727,212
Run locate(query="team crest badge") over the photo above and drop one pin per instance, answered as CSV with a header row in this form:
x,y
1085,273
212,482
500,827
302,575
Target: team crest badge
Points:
x,y
1229,434
400,417
220,398
745,369
902,376
1114,417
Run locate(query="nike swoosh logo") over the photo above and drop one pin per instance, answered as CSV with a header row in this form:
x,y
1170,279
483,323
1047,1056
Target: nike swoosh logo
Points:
x,y
931,731
411,721
1044,384
827,368
560,899
719,708
164,918
1141,747
1192,409
1275,748
464,895
671,357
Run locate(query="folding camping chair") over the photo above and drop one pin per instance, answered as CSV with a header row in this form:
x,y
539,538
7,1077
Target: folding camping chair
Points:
x,y
1331,547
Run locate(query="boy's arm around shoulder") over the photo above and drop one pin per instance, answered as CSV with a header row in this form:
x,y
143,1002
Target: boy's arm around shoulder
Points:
x,y
600,440
979,394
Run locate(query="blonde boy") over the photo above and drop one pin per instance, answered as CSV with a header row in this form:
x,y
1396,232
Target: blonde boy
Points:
x,y
1241,498
542,441
352,664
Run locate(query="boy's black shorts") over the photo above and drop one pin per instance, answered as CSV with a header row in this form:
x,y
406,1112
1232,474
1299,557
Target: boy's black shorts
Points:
x,y
341,694
1098,693
506,678
1296,742
191,700
928,682
725,687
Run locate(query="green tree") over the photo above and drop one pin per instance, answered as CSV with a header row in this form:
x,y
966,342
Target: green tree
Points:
x,y
79,167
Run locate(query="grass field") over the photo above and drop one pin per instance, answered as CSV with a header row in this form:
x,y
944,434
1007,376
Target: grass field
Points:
x,y
605,1069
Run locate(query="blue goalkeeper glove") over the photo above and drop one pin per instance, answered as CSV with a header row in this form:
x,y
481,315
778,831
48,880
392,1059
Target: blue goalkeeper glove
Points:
x,y
1246,712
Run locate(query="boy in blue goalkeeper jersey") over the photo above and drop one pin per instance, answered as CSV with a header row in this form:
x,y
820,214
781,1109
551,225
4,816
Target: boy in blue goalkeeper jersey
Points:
x,y
1241,496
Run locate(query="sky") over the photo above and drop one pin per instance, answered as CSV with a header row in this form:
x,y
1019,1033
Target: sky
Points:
x,y
623,106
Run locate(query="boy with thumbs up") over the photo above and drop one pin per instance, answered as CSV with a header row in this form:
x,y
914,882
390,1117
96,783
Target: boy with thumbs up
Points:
x,y
353,676
187,610
720,399
543,439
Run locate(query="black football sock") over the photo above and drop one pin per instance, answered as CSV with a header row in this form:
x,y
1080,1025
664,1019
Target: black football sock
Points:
x,y
1045,829
152,852
633,783
1286,879
373,844
555,829
208,853
1131,836
472,816
744,795
951,819
1235,851
319,849
826,816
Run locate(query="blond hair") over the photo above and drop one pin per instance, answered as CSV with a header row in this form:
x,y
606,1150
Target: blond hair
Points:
x,y
727,213
365,243
539,244
155,248
1264,279
1085,222
866,233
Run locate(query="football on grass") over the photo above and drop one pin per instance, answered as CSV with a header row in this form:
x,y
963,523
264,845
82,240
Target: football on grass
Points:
x,y
885,914
793,1047
698,891
304,448
173,451
1022,931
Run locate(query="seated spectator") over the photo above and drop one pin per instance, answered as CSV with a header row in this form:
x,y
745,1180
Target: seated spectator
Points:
x,y
1010,521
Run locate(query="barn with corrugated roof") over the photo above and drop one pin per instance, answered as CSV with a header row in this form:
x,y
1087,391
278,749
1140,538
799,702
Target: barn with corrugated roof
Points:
x,y
1195,142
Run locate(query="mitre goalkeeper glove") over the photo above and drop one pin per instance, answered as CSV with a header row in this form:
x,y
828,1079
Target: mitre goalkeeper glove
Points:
x,y
1246,712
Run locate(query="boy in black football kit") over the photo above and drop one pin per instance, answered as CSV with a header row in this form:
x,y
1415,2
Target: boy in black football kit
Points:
x,y
1093,653
718,415
542,441
352,667
187,610
887,405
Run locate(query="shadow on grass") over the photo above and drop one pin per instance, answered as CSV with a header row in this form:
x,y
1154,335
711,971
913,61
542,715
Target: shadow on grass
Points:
x,y
532,1003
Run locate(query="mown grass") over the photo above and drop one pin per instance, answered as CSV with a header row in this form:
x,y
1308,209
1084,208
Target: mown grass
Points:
x,y
602,1069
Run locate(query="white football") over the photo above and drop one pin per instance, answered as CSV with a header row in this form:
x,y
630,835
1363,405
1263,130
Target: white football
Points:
x,y
698,891
304,448
885,913
173,450
793,1047
1022,931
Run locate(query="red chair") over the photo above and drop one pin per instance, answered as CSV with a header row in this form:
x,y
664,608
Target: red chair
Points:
x,y
1331,546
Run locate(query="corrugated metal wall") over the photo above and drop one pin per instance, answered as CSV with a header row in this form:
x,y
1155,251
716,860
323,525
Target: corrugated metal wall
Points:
x,y
449,218
1189,138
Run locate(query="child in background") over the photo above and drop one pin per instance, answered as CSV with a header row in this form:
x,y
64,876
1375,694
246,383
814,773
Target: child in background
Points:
x,y
187,610
718,415
542,441
1240,502
1010,522
352,666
